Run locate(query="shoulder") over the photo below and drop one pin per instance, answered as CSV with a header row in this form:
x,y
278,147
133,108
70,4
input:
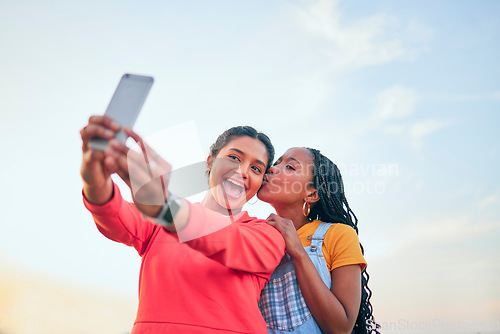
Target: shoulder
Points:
x,y
259,226
245,220
338,234
339,229
342,245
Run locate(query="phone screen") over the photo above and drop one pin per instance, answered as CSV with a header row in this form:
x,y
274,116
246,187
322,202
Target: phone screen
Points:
x,y
125,105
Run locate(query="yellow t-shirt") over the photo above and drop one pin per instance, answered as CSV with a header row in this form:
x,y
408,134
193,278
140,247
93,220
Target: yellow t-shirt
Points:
x,y
340,247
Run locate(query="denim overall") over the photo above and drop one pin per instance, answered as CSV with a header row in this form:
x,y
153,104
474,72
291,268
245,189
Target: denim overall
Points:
x,y
281,302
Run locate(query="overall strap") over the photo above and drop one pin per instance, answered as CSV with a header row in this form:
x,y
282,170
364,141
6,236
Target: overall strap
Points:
x,y
318,237
316,253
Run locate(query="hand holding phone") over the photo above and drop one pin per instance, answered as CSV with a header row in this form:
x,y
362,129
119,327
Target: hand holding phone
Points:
x,y
125,105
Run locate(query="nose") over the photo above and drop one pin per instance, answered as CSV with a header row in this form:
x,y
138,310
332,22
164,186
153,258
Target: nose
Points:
x,y
272,170
243,171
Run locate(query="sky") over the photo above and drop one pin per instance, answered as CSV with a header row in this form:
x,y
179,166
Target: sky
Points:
x,y
403,96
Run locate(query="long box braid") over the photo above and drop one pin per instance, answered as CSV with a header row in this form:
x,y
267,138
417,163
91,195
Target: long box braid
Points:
x,y
333,207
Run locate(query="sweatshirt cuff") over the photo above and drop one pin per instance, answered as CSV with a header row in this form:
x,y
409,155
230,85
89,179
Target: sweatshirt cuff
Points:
x,y
111,206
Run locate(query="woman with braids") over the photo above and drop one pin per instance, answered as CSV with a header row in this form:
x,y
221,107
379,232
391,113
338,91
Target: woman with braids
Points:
x,y
321,283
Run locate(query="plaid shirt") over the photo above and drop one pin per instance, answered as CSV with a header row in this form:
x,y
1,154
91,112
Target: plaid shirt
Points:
x,y
281,302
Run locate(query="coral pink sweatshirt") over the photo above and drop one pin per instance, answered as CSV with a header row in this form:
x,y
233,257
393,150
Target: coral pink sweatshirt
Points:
x,y
210,284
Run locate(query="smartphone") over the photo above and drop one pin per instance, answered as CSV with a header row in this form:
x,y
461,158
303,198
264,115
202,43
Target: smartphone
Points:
x,y
125,106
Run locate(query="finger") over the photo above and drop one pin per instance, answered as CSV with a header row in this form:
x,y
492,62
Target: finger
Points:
x,y
272,216
129,165
117,162
122,172
152,162
96,130
155,163
147,173
277,219
273,219
149,152
91,155
110,164
123,154
276,225
118,146
146,150
132,134
127,169
133,169
104,121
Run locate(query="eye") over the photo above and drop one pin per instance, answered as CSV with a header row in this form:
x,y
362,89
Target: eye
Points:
x,y
257,169
234,157
276,163
290,167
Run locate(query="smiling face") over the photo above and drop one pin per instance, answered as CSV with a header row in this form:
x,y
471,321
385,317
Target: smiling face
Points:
x,y
289,181
236,173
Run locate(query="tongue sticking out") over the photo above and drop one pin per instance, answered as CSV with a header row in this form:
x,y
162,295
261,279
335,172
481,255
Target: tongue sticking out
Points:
x,y
232,189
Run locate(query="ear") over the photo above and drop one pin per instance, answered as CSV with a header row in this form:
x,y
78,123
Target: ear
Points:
x,y
312,196
209,162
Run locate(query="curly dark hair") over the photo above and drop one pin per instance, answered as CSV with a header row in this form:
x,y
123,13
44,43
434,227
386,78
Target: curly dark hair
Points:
x,y
333,207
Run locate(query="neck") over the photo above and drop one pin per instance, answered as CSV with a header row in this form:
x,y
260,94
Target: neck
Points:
x,y
209,202
294,213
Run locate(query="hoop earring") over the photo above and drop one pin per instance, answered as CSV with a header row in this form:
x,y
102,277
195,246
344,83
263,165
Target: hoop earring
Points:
x,y
304,209
256,199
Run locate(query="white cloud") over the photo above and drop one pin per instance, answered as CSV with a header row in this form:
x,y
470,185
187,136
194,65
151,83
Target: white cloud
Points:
x,y
399,103
395,102
490,201
363,42
421,129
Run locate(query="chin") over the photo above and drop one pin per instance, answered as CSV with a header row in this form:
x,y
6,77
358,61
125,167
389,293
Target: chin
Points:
x,y
233,205
263,197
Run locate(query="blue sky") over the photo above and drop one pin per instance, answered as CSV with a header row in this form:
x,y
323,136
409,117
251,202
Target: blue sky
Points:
x,y
403,96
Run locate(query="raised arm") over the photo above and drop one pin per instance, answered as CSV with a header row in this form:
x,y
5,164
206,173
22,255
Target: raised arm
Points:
x,y
120,221
117,219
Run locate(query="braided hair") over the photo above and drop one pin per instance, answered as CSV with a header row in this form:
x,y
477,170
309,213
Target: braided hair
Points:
x,y
333,207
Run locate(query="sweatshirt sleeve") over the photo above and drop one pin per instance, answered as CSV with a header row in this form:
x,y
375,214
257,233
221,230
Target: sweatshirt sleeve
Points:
x,y
247,244
121,221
